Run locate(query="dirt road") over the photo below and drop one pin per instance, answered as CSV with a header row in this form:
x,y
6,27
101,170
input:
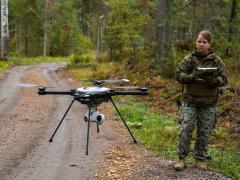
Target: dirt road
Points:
x,y
28,120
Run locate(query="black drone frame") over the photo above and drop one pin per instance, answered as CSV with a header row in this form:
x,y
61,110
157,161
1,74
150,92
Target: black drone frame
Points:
x,y
92,100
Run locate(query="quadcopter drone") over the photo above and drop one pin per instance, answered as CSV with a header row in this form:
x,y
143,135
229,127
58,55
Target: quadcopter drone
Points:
x,y
92,97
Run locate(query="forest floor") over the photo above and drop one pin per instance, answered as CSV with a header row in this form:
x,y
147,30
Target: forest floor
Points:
x,y
28,120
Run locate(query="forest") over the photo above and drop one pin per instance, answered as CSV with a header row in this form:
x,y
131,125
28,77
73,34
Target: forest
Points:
x,y
142,40
129,30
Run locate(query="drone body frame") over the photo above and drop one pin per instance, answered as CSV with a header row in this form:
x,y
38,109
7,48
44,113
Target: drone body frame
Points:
x,y
92,97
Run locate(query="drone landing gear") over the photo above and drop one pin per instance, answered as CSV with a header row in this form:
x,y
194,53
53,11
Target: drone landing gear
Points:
x,y
88,129
90,116
90,108
97,128
51,139
134,140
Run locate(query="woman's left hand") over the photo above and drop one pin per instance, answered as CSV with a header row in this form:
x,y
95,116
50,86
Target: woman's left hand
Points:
x,y
211,80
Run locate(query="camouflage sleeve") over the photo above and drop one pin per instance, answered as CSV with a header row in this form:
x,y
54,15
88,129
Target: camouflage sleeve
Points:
x,y
222,77
185,71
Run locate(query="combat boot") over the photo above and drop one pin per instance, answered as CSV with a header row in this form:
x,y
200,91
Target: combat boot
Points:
x,y
200,165
180,165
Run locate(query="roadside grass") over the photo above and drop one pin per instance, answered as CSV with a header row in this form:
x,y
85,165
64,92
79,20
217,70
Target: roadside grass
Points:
x,y
225,161
160,135
4,65
94,71
19,60
152,130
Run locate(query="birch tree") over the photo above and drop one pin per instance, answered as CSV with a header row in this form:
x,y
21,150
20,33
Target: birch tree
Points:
x,y
4,29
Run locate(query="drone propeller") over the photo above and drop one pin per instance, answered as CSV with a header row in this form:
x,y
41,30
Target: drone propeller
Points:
x,y
101,82
26,85
139,87
115,80
128,87
106,80
142,88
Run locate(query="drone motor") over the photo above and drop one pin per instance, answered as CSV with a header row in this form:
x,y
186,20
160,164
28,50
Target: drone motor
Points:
x,y
92,90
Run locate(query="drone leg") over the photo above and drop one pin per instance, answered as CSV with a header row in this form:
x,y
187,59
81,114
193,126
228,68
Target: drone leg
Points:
x,y
51,139
97,128
88,129
134,140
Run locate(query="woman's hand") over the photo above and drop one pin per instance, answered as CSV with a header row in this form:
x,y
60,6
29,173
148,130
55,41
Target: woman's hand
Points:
x,y
201,81
210,80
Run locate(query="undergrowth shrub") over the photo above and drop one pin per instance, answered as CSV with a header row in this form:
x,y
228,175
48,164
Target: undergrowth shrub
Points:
x,y
79,60
3,66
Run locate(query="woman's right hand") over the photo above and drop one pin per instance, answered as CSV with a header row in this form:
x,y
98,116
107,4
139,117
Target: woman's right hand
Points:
x,y
201,81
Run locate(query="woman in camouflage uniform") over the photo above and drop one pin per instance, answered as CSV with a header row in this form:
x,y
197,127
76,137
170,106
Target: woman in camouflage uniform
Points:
x,y
200,94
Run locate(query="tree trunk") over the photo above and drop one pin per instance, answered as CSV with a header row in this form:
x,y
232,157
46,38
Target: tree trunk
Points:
x,y
26,37
194,19
100,35
45,39
160,29
4,30
213,14
111,52
86,11
233,15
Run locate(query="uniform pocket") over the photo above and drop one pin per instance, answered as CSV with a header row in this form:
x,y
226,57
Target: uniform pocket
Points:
x,y
180,116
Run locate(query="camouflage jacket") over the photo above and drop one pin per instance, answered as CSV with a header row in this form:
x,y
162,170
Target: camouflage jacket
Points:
x,y
201,86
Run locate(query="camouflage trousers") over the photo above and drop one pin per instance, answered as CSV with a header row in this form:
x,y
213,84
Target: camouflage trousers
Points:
x,y
203,118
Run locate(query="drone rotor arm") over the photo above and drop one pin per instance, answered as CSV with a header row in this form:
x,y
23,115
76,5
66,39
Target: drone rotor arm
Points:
x,y
44,92
130,93
108,94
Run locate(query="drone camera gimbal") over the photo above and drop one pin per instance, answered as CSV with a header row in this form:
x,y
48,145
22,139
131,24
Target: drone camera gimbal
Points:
x,y
93,97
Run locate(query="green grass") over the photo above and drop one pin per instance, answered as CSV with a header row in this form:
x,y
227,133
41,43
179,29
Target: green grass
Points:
x,y
4,65
156,132
226,161
19,60
96,71
160,134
